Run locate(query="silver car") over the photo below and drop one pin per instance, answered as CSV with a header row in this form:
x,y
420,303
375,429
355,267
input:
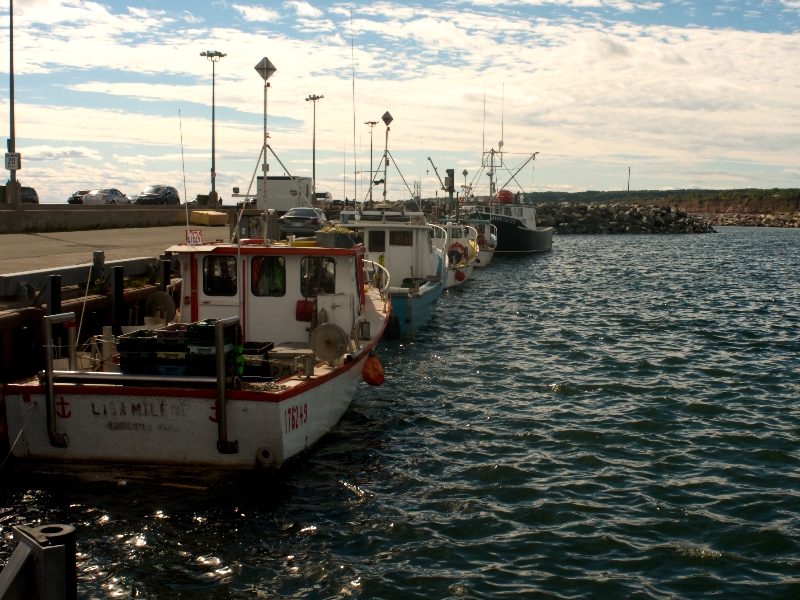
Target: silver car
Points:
x,y
106,196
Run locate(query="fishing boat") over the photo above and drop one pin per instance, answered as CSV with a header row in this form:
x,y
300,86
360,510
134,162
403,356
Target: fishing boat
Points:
x,y
402,242
307,318
486,240
459,243
514,219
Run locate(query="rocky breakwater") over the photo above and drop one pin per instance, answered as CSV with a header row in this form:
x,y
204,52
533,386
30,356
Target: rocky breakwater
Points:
x,y
744,220
568,217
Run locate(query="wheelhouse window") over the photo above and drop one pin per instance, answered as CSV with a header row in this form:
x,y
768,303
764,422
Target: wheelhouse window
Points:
x,y
317,275
377,241
269,276
219,276
456,233
401,238
507,211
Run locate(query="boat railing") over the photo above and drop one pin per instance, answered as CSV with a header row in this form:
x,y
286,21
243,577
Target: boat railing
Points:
x,y
377,276
445,261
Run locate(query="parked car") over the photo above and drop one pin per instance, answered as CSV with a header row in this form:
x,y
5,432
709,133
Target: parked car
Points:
x,y
106,196
303,221
77,197
158,194
29,195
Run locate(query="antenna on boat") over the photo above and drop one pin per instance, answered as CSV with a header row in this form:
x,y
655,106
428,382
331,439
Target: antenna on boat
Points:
x,y
183,163
502,122
353,64
483,134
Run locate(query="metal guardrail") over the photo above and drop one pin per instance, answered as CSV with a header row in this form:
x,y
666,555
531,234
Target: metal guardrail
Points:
x,y
25,284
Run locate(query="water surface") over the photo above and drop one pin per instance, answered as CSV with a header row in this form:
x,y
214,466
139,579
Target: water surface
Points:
x,y
618,418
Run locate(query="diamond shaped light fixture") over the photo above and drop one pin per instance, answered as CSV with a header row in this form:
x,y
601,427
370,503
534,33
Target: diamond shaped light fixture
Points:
x,y
265,68
387,118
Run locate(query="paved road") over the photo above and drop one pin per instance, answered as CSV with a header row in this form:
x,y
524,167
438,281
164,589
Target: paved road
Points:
x,y
21,252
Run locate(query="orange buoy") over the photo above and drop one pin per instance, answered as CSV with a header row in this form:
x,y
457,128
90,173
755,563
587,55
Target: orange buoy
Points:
x,y
505,197
373,371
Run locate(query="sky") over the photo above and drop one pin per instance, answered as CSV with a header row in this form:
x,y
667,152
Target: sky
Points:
x,y
686,94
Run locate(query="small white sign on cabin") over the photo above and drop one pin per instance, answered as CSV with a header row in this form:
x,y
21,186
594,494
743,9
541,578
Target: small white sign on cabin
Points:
x,y
13,161
194,237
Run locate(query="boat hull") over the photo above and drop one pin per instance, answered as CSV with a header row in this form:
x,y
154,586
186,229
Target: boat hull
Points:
x,y
423,306
484,258
178,426
453,279
513,236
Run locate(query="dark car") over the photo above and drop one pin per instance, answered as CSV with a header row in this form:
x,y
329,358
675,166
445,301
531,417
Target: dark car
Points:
x,y
77,197
158,194
29,195
303,221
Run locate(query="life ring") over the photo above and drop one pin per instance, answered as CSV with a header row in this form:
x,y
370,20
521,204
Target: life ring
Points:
x,y
456,252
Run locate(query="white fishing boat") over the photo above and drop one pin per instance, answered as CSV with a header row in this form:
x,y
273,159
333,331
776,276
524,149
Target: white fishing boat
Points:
x,y
486,240
458,243
402,243
308,310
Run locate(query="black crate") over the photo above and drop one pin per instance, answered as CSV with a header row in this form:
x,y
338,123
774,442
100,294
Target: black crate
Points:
x,y
205,332
137,341
128,357
256,349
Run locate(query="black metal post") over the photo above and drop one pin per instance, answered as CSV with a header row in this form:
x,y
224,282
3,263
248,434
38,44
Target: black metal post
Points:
x,y
117,299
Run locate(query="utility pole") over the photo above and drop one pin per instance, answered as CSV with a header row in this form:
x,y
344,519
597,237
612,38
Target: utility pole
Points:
x,y
629,180
313,98
371,164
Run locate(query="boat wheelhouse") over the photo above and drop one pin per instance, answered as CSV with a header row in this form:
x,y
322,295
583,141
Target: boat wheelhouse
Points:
x,y
311,312
402,243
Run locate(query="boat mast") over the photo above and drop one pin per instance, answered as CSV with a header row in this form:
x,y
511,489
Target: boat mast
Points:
x,y
387,118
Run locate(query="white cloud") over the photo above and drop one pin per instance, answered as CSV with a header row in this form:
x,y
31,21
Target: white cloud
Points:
x,y
257,13
137,161
190,18
44,152
303,9
144,13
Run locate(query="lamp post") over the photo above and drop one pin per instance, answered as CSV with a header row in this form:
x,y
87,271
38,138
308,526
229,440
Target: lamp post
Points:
x,y
12,141
214,56
387,118
266,69
314,99
371,164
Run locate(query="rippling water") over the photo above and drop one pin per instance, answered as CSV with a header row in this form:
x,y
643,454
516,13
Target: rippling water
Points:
x,y
618,418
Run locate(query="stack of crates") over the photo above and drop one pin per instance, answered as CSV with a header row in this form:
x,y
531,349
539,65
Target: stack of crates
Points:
x,y
256,365
137,353
171,350
202,350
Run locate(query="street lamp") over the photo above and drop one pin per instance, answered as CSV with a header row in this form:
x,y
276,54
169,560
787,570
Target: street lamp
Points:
x,y
387,118
314,99
266,69
214,56
12,141
371,164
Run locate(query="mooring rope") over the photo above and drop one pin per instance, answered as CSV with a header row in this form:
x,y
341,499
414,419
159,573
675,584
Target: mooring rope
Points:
x,y
33,405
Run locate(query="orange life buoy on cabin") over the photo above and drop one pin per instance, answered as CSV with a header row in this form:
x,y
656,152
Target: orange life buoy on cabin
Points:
x,y
505,197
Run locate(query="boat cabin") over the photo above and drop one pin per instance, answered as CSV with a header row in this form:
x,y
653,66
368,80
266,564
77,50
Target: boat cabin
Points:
x,y
401,242
261,282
